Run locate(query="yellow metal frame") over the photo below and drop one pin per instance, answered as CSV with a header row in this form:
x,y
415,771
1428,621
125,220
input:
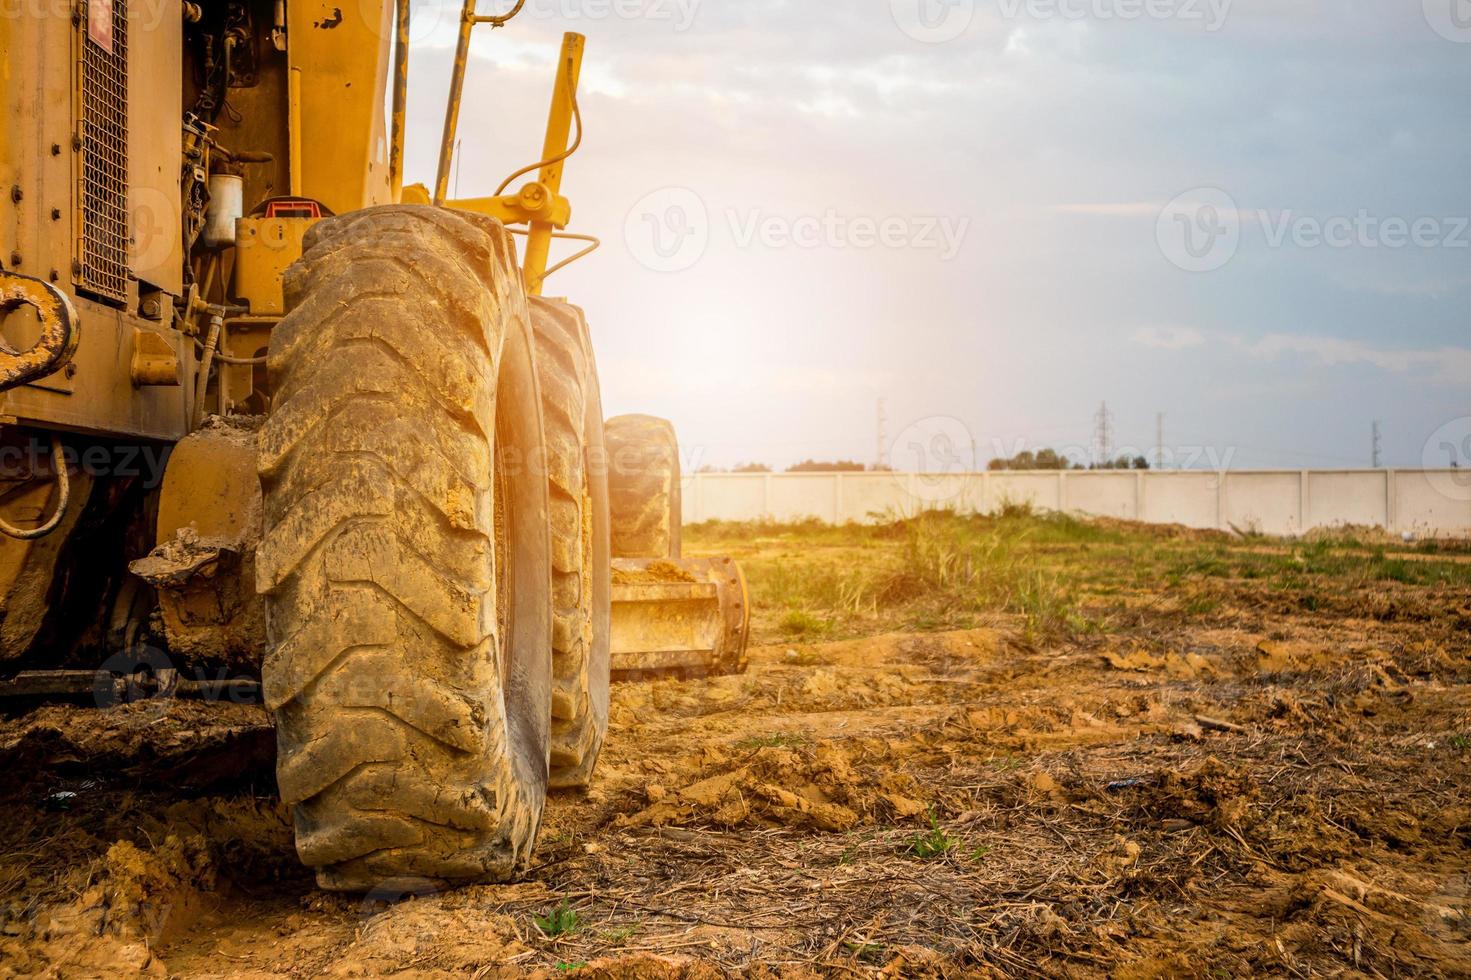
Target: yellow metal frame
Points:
x,y
539,204
553,155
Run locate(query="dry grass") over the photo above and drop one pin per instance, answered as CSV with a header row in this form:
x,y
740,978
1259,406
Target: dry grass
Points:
x,y
1051,577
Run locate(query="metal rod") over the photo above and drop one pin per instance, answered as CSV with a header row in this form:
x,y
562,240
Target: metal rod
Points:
x,y
559,126
452,107
400,101
293,102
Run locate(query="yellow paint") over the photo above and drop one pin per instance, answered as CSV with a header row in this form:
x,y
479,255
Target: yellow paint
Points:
x,y
559,127
341,53
266,247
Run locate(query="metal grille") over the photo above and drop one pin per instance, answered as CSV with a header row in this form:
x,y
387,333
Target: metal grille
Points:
x,y
104,152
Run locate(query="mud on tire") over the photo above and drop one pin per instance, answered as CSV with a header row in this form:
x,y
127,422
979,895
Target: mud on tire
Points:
x,y
572,411
643,487
405,566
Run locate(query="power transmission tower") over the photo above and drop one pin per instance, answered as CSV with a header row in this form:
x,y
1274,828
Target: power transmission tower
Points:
x,y
1377,454
883,434
1159,440
1102,435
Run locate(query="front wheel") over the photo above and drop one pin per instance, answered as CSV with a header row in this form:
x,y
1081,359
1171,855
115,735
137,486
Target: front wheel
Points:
x,y
405,561
572,410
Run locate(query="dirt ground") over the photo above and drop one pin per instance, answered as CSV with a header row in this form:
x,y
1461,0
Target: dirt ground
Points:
x,y
1010,747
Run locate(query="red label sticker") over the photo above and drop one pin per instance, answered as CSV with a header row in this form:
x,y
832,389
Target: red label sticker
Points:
x,y
99,23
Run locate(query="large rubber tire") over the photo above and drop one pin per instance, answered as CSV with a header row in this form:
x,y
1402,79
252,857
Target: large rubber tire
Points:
x,y
643,486
572,409
405,560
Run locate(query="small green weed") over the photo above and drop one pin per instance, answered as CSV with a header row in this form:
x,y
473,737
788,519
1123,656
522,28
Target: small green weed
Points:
x,y
934,843
559,921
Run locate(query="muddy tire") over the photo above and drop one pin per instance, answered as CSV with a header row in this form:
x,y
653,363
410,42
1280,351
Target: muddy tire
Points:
x,y
572,411
643,486
405,563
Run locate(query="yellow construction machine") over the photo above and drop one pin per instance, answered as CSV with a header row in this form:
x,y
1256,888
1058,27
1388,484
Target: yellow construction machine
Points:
x,y
265,410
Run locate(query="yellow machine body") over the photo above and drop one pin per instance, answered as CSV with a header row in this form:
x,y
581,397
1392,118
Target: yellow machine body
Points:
x,y
160,168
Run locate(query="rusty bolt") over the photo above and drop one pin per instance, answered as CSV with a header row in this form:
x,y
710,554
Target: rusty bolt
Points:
x,y
71,371
56,149
56,214
15,258
55,275
15,194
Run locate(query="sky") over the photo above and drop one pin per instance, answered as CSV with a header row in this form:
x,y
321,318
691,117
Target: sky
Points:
x,y
991,216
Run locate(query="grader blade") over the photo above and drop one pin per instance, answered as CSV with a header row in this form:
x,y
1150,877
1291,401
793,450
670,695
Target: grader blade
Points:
x,y
679,616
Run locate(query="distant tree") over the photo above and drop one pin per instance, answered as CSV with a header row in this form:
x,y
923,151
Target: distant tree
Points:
x,y
1042,459
1122,463
750,468
813,466
711,468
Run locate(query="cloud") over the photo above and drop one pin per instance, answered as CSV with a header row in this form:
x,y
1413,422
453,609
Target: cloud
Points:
x,y
1445,365
1058,140
1168,338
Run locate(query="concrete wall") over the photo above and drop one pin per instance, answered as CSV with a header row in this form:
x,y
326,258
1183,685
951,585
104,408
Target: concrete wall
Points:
x,y
1283,502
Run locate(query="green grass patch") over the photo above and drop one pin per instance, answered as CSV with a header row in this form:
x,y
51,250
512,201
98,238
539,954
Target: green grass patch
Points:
x,y
560,921
800,622
933,843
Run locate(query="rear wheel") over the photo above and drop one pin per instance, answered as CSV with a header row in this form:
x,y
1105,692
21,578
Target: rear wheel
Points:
x,y
643,486
405,560
572,409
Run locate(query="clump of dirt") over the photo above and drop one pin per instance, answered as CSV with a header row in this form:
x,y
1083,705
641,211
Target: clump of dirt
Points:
x,y
818,789
1385,930
652,572
1188,665
1211,794
107,856
134,899
436,934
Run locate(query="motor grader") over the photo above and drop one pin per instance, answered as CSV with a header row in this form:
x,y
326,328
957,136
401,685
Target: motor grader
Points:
x,y
390,499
